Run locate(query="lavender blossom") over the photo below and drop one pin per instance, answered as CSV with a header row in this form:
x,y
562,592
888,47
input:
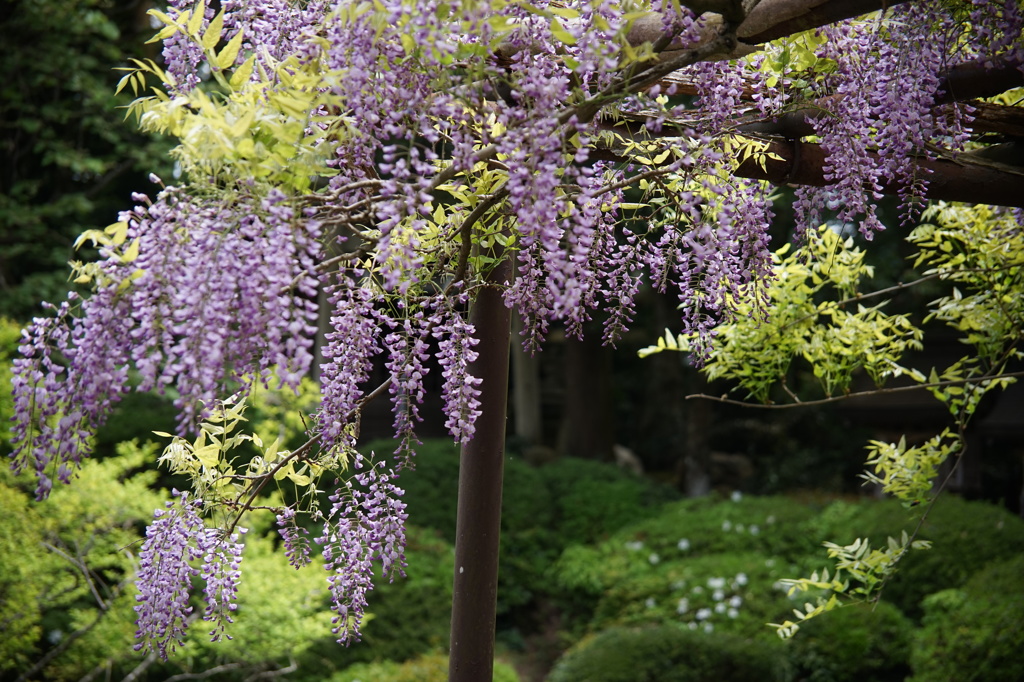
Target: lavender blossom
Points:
x,y
296,546
165,575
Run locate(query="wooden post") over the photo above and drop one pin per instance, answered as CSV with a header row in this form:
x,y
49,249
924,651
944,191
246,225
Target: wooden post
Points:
x,y
474,599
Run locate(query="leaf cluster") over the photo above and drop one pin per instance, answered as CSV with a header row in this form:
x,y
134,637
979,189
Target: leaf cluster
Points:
x,y
815,314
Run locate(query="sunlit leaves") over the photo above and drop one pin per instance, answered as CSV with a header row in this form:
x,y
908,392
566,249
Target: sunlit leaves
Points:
x,y
836,337
909,472
859,574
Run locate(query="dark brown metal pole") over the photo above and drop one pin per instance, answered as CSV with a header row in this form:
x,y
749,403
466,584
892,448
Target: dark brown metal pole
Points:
x,y
474,600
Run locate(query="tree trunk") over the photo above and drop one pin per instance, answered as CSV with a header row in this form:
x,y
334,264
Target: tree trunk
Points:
x,y
588,429
529,426
474,599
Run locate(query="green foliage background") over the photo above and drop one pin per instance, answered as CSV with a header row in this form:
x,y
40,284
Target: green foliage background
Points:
x,y
70,162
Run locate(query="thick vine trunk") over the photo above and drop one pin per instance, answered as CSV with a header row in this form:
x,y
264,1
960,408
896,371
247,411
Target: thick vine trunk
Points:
x,y
474,599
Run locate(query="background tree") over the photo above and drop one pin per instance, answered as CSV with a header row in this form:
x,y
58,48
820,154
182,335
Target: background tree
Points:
x,y
469,155
70,162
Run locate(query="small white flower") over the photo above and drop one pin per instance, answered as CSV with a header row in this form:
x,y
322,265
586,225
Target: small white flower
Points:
x,y
741,578
754,529
693,625
683,545
736,496
678,584
703,614
735,601
683,606
708,627
720,607
634,546
716,583
718,595
654,558
650,603
698,590
732,613
726,526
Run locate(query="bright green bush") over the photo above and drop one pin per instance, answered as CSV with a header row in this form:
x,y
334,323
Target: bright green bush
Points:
x,y
428,668
66,565
853,644
974,634
670,654
25,569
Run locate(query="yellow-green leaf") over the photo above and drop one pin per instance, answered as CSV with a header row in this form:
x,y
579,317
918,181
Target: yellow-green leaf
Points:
x,y
226,58
213,31
132,252
195,21
242,73
208,455
560,34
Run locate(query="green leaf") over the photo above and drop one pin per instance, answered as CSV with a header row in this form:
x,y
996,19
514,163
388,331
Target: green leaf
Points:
x,y
560,34
226,58
208,455
213,31
195,21
242,73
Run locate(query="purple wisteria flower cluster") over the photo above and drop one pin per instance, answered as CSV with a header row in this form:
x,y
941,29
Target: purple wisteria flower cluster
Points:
x,y
175,542
448,135
366,523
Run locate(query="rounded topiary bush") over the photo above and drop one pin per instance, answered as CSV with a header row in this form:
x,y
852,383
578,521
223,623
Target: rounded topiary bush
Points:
x,y
697,563
592,499
974,634
670,654
569,501
854,643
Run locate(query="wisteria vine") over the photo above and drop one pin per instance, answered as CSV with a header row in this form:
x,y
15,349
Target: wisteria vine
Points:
x,y
380,158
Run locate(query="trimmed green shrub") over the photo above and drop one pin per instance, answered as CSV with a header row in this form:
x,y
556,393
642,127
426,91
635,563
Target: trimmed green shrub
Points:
x,y
428,668
974,634
590,499
703,562
852,644
736,593
670,654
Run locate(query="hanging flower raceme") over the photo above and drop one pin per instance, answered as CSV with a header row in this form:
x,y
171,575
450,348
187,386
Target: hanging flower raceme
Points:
x,y
175,542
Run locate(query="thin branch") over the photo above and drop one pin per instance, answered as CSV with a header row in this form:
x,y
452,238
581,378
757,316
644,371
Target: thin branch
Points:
x,y
270,674
251,495
466,230
80,565
206,673
858,394
931,504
